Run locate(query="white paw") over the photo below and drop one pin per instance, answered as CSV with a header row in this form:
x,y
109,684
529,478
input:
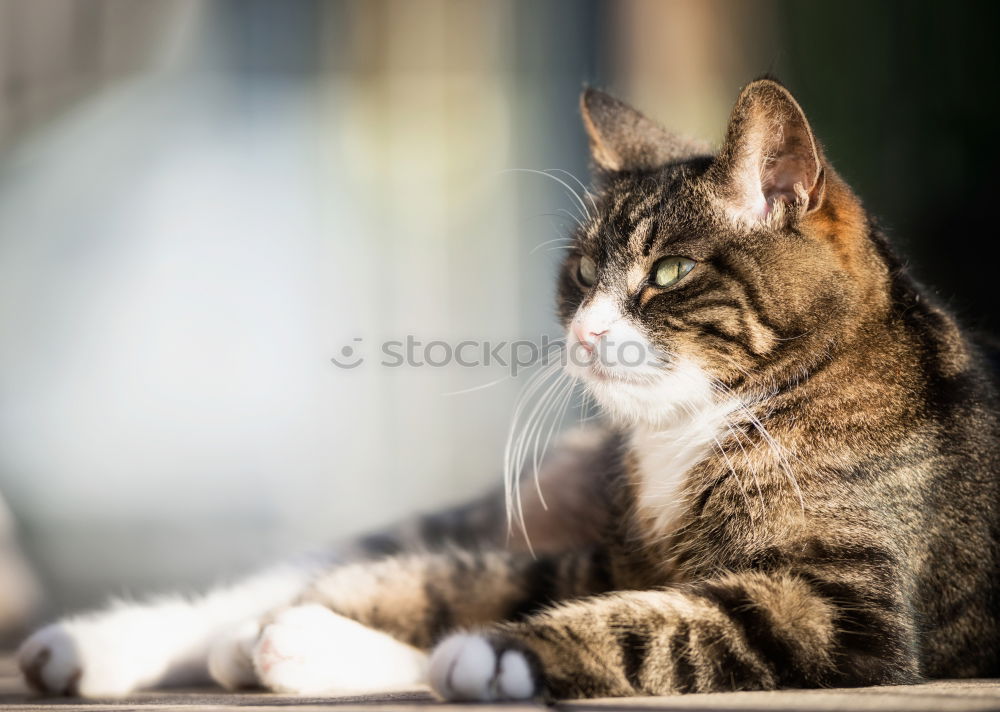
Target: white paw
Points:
x,y
230,659
311,650
49,660
75,658
468,667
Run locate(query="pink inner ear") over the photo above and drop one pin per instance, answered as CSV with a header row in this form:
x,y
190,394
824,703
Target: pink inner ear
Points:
x,y
780,179
770,158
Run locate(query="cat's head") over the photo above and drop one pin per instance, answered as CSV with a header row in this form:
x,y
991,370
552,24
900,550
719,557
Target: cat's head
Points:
x,y
696,274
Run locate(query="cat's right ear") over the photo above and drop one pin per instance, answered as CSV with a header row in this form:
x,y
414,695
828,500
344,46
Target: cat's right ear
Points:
x,y
770,166
622,139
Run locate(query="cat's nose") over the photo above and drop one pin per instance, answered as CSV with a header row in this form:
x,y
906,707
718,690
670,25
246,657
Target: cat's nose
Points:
x,y
588,336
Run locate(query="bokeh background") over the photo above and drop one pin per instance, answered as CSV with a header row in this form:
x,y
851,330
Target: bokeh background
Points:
x,y
202,201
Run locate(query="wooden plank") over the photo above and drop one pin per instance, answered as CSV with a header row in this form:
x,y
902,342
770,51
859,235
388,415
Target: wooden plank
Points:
x,y
937,696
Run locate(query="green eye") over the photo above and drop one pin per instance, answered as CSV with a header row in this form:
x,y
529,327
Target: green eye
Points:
x,y
670,269
587,271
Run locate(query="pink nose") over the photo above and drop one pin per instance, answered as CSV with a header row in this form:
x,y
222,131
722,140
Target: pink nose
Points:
x,y
587,335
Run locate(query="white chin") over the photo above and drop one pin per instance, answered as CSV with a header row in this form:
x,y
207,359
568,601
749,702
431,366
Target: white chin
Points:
x,y
651,400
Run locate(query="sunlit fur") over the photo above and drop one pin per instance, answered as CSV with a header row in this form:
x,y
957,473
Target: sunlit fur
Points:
x,y
797,488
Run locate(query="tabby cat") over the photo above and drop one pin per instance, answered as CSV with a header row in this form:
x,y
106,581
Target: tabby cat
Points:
x,y
796,488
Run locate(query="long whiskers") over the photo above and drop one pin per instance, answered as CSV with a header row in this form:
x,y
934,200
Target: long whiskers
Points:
x,y
772,444
511,467
585,211
533,429
540,245
541,408
586,191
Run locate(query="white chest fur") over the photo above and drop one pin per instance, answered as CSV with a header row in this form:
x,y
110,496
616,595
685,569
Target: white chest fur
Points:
x,y
665,454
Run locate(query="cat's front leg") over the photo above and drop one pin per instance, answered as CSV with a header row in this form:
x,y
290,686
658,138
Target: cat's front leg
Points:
x,y
133,646
741,632
309,649
367,626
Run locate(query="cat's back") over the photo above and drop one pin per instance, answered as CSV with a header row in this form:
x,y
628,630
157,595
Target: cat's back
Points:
x,y
955,540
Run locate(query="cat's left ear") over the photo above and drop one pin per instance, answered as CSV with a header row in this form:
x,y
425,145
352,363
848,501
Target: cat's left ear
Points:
x,y
624,140
770,168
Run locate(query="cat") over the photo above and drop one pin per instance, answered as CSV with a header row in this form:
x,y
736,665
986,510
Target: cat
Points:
x,y
797,487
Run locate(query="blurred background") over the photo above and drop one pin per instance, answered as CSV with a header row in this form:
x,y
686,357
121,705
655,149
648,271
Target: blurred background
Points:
x,y
203,201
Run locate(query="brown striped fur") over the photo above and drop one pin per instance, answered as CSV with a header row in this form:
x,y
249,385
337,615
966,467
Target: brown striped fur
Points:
x,y
855,544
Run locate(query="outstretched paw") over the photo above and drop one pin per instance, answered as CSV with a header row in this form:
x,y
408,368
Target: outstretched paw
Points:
x,y
90,658
50,661
311,650
478,668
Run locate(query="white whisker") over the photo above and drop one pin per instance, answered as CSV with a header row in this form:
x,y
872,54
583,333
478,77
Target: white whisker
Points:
x,y
769,440
481,387
583,187
532,431
585,212
560,413
540,245
510,466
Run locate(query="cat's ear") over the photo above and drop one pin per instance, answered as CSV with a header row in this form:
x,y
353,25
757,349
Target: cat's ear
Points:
x,y
770,167
622,139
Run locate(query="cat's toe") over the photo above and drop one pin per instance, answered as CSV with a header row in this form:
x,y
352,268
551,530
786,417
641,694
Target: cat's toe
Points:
x,y
472,667
230,659
311,650
50,661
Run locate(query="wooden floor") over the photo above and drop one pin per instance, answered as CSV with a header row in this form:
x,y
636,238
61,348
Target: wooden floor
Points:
x,y
943,696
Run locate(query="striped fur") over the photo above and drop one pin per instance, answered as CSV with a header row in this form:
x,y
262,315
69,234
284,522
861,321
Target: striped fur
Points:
x,y
843,530
801,490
